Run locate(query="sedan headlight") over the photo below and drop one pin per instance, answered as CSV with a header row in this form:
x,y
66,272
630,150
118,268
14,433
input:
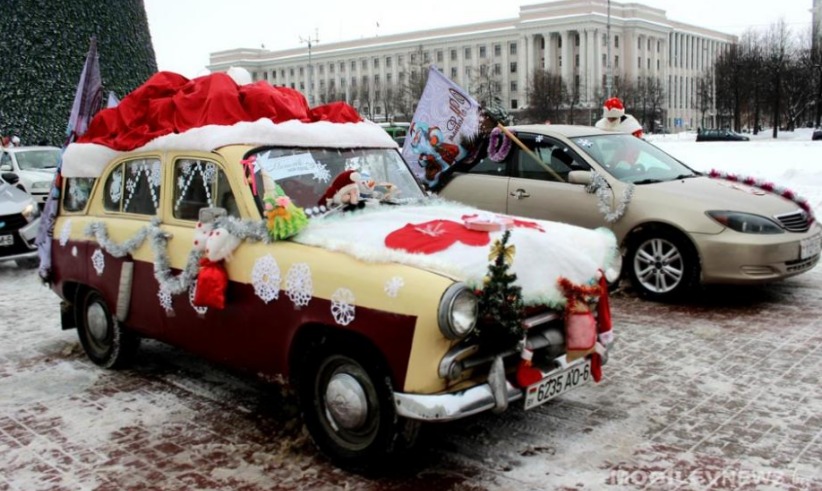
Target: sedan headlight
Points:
x,y
31,211
41,185
747,223
458,312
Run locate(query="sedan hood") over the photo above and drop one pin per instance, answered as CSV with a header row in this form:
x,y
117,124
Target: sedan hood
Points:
x,y
12,200
435,237
705,193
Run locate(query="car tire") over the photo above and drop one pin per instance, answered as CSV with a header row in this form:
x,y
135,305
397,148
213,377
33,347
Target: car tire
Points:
x,y
363,429
662,265
106,342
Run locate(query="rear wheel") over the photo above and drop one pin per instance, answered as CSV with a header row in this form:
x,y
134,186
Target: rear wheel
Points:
x,y
662,265
347,403
104,339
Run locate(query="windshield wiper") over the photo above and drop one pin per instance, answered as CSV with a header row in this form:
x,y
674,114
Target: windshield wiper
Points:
x,y
684,176
648,181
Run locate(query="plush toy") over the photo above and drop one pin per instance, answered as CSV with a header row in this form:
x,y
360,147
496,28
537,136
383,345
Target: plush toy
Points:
x,y
343,191
212,280
201,233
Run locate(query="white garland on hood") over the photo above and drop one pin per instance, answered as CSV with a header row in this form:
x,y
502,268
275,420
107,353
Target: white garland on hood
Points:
x,y
604,194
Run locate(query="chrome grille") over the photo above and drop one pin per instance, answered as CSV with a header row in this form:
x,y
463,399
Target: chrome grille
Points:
x,y
11,223
797,221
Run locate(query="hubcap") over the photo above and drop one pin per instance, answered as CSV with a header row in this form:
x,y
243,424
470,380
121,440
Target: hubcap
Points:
x,y
346,401
659,265
97,321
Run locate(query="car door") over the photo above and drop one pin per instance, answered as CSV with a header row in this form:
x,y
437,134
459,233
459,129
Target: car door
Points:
x,y
539,187
485,186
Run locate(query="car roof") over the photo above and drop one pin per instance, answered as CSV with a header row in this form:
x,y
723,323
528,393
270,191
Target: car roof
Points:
x,y
29,148
566,130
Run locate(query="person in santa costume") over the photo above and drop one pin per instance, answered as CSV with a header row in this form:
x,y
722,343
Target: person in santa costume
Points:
x,y
615,119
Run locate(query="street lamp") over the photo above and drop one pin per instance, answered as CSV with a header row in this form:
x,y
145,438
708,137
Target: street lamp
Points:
x,y
310,42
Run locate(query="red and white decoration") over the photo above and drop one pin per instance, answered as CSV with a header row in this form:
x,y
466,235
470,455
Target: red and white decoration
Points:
x,y
98,261
766,186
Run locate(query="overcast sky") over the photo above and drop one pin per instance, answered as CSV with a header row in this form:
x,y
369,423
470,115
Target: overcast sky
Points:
x,y
186,31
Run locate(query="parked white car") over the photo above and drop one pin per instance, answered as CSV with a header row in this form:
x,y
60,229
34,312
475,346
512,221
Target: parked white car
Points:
x,y
35,166
19,221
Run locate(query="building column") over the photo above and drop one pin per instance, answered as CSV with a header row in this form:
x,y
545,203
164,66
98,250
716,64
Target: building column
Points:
x,y
567,57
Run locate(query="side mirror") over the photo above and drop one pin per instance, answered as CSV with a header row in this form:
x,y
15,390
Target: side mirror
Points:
x,y
579,177
11,177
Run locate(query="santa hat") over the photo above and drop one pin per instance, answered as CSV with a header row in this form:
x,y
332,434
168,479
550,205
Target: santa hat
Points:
x,y
613,108
344,182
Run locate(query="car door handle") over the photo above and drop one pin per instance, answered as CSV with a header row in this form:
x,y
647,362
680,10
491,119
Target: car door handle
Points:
x,y
520,194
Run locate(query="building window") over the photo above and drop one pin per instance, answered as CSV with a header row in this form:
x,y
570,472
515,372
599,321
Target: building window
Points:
x,y
342,67
482,52
657,64
605,40
616,41
649,44
559,42
379,108
483,70
616,61
353,82
302,72
331,68
282,73
342,83
387,62
467,53
658,46
292,85
497,69
365,80
376,80
439,56
426,57
576,40
576,60
453,55
402,77
559,61
512,49
639,62
291,70
353,66
497,50
513,67
649,63
400,60
604,59
513,85
514,104
376,62
468,71
322,69
274,75
453,72
365,64
638,43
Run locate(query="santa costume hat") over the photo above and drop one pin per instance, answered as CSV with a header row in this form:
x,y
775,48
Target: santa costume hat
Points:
x,y
343,183
613,108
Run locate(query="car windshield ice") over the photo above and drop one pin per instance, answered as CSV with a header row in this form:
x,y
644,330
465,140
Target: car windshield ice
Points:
x,y
631,159
305,174
38,159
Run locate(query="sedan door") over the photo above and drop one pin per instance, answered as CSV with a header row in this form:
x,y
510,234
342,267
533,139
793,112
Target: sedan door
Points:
x,y
484,186
539,186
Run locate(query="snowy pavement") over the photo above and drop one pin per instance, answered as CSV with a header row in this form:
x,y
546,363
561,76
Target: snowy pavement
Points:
x,y
720,392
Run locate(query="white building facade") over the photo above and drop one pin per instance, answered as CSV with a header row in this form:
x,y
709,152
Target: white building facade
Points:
x,y
566,37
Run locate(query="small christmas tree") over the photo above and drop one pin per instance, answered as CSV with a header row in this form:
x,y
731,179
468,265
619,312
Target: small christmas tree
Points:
x,y
500,302
284,219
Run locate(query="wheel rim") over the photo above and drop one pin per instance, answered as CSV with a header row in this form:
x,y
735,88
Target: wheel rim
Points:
x,y
348,407
659,265
97,327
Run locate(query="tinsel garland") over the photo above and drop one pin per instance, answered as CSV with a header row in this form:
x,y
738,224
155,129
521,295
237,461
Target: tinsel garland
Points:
x,y
766,186
603,191
498,152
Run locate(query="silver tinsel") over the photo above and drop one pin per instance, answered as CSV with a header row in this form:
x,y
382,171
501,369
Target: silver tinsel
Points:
x,y
604,193
251,230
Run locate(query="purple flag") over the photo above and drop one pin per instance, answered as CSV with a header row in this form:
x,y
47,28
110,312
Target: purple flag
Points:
x,y
88,99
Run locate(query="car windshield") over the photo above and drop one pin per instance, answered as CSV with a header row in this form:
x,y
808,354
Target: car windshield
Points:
x,y
632,159
38,159
305,174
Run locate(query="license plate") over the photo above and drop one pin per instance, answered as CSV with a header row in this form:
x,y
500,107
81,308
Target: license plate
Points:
x,y
810,247
6,240
558,383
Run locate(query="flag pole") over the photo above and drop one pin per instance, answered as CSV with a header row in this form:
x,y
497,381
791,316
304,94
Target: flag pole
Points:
x,y
530,152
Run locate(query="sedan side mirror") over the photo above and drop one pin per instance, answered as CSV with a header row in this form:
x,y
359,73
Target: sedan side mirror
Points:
x,y
11,178
580,177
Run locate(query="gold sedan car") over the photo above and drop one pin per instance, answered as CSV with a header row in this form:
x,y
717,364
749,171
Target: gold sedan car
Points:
x,y
676,227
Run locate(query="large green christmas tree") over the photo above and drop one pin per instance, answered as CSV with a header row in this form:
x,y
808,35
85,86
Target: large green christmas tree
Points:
x,y
43,45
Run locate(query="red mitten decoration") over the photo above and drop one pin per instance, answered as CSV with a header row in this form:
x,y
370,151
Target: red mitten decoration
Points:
x,y
211,284
527,374
604,324
596,367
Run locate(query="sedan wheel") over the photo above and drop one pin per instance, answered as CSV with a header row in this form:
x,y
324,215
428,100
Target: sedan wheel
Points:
x,y
662,266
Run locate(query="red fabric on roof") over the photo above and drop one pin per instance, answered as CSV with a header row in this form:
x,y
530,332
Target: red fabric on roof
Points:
x,y
170,103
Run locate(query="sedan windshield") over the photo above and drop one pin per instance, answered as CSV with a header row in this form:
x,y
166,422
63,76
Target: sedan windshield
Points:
x,y
38,159
631,159
305,174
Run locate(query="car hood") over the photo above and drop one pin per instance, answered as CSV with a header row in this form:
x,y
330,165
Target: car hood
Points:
x,y
12,200
434,237
705,193
36,175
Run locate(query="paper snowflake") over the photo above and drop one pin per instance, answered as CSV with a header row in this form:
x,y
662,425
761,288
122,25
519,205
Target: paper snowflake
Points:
x,y
114,190
182,184
155,175
538,139
65,232
201,311
209,173
342,306
298,284
392,286
585,143
265,276
98,261
165,300
321,172
186,167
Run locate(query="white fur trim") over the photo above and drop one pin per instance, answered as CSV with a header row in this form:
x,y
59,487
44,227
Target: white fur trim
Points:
x,y
613,113
239,75
607,337
89,159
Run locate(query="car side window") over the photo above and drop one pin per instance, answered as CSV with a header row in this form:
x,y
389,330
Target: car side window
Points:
x,y
134,187
201,184
5,162
548,160
77,193
489,166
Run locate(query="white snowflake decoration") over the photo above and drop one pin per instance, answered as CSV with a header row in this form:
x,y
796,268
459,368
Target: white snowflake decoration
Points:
x,y
209,173
186,167
74,251
321,172
201,311
115,189
342,306
298,284
539,139
156,175
585,143
181,184
78,194
165,300
98,261
392,286
65,233
265,276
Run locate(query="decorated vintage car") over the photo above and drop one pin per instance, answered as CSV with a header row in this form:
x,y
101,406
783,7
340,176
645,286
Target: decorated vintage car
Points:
x,y
295,244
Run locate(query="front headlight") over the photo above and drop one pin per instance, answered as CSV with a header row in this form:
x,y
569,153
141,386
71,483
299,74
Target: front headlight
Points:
x,y
457,314
31,211
746,223
41,185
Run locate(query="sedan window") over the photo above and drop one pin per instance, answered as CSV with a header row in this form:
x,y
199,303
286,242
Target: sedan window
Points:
x,y
631,159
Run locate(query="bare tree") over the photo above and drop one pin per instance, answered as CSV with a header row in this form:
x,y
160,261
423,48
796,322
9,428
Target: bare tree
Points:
x,y
778,48
704,95
484,84
546,95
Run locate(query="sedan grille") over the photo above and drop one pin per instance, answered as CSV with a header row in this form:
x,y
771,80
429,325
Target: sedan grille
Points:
x,y
12,222
797,221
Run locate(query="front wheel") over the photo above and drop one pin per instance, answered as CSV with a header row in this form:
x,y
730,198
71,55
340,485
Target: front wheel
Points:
x,y
662,265
347,403
104,339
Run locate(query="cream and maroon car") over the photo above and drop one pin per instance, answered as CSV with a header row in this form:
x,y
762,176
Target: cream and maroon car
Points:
x,y
676,227
372,313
